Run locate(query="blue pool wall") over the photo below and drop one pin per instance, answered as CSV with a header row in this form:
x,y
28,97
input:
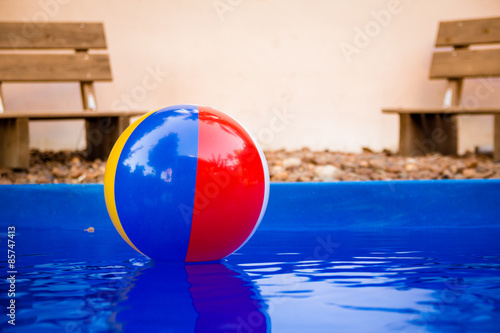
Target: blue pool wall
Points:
x,y
361,205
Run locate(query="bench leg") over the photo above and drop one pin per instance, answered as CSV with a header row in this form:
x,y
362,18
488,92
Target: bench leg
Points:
x,y
421,134
496,143
101,135
14,143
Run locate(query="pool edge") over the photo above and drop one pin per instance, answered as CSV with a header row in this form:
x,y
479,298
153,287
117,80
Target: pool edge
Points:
x,y
371,204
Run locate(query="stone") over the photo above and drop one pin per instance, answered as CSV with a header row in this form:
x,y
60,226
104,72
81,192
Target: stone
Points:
x,y
470,163
481,168
326,173
394,168
469,173
5,181
411,167
75,171
376,164
282,176
292,162
276,169
363,164
447,174
348,165
75,161
59,172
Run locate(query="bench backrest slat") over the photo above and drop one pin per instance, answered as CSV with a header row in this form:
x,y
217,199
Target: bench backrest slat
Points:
x,y
55,67
465,63
467,32
18,35
19,62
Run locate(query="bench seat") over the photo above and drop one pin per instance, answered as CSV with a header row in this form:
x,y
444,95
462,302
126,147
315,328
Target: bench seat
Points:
x,y
66,115
450,110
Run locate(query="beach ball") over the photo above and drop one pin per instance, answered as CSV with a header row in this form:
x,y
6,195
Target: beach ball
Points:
x,y
186,183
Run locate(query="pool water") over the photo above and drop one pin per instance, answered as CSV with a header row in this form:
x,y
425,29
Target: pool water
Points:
x,y
329,280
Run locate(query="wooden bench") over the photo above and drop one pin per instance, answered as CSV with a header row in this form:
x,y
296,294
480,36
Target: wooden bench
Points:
x,y
425,131
65,58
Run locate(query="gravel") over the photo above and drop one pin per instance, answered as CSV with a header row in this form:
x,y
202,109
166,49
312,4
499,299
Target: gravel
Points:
x,y
284,166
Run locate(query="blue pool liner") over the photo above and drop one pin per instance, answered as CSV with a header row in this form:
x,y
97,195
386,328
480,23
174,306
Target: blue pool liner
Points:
x,y
375,204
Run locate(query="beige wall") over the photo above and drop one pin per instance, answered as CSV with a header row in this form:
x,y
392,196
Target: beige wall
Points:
x,y
295,72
